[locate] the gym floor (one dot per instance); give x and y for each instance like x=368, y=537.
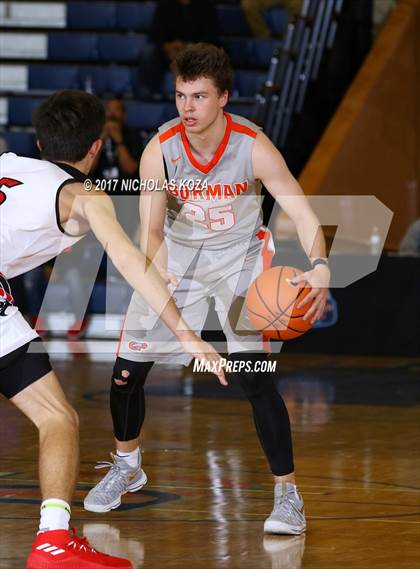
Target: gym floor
x=356, y=434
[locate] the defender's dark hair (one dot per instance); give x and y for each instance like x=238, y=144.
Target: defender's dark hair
x=204, y=60
x=67, y=124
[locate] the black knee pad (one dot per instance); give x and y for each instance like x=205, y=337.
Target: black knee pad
x=252, y=382
x=127, y=397
x=127, y=373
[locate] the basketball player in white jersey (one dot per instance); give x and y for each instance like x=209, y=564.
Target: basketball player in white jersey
x=43, y=210
x=208, y=241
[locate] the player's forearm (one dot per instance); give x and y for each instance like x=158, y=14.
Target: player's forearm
x=144, y=277
x=153, y=244
x=311, y=236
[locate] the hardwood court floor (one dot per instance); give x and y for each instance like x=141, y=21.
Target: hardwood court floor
x=356, y=434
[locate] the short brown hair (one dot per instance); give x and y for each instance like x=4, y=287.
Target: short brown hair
x=204, y=60
x=67, y=124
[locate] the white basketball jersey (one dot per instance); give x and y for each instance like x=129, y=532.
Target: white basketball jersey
x=211, y=205
x=30, y=230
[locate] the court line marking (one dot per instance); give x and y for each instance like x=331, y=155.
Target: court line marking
x=87, y=484
x=208, y=521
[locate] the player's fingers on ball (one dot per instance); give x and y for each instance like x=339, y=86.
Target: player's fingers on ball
x=312, y=310
x=297, y=279
x=303, y=302
x=320, y=311
x=316, y=317
x=308, y=298
x=308, y=314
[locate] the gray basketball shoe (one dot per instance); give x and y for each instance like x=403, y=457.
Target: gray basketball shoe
x=288, y=516
x=120, y=479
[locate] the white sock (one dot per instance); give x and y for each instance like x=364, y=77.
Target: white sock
x=55, y=514
x=132, y=458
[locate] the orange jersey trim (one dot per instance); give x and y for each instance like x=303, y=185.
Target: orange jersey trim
x=243, y=129
x=267, y=257
x=169, y=133
x=205, y=168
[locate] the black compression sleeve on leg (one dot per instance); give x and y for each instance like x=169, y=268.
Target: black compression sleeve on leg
x=127, y=397
x=270, y=414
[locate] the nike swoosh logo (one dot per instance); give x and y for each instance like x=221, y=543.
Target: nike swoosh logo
x=174, y=160
x=134, y=474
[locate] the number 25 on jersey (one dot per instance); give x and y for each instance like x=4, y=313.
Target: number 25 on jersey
x=217, y=218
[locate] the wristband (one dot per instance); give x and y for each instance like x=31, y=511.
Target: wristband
x=319, y=261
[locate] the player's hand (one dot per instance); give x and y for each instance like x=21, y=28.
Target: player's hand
x=203, y=351
x=169, y=278
x=319, y=280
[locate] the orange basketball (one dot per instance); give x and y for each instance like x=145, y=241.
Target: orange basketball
x=272, y=304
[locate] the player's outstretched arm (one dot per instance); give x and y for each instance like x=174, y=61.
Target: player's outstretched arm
x=152, y=211
x=269, y=167
x=98, y=211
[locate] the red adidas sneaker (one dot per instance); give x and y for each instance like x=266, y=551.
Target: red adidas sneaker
x=60, y=549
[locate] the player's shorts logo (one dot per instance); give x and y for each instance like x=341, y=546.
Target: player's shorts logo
x=136, y=346
x=6, y=298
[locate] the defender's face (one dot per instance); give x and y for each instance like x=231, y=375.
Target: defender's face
x=199, y=103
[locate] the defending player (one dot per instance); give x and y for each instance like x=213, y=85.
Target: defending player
x=44, y=209
x=209, y=238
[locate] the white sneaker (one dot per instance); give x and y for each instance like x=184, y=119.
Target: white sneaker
x=288, y=515
x=120, y=479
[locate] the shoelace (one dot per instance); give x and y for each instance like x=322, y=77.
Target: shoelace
x=285, y=504
x=115, y=476
x=80, y=543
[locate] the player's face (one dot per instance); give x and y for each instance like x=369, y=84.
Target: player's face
x=199, y=103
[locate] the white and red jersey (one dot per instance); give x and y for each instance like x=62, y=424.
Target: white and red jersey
x=217, y=204
x=30, y=233
x=30, y=230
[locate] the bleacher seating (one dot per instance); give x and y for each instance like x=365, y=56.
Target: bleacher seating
x=21, y=109
x=138, y=16
x=276, y=20
x=72, y=47
x=148, y=116
x=113, y=48
x=106, y=80
x=247, y=83
x=53, y=77
x=21, y=143
x=95, y=45
x=232, y=21
x=250, y=52
x=91, y=15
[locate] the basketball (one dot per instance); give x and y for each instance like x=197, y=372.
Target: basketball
x=272, y=302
